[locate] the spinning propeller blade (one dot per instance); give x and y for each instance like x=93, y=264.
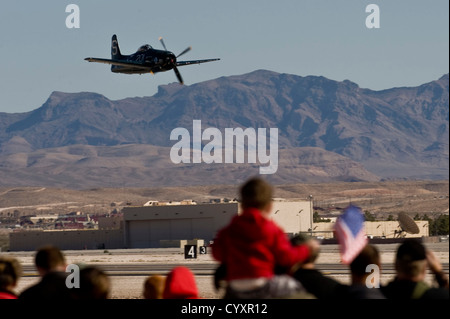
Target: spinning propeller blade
x=162, y=42
x=174, y=62
x=177, y=73
x=185, y=51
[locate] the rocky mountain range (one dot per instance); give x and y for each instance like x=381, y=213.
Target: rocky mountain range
x=327, y=130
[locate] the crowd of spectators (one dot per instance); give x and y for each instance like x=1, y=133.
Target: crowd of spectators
x=257, y=261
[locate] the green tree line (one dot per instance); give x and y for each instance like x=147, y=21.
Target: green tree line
x=438, y=226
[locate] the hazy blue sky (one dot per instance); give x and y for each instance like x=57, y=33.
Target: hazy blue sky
x=39, y=54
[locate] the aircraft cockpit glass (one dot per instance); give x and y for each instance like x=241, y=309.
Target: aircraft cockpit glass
x=145, y=48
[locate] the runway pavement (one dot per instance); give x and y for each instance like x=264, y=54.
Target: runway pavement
x=200, y=267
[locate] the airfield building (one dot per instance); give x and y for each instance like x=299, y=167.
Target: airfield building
x=158, y=225
x=161, y=225
x=150, y=226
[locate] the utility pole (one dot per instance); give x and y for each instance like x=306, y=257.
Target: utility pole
x=300, y=221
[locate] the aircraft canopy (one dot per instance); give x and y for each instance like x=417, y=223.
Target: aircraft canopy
x=144, y=47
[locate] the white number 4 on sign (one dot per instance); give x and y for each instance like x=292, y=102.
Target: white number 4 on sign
x=190, y=251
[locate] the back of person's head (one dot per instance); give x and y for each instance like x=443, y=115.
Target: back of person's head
x=369, y=255
x=94, y=284
x=256, y=193
x=10, y=272
x=180, y=284
x=154, y=287
x=411, y=258
x=49, y=258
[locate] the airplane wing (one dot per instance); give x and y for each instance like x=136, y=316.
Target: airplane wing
x=120, y=63
x=181, y=63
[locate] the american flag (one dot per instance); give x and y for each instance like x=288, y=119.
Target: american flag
x=350, y=233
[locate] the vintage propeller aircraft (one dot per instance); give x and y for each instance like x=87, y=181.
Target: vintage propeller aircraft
x=146, y=60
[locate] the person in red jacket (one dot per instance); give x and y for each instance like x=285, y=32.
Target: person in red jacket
x=180, y=284
x=252, y=245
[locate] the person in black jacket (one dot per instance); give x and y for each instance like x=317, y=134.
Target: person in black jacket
x=324, y=287
x=411, y=264
x=51, y=266
x=95, y=284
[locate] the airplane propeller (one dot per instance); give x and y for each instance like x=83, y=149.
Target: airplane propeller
x=185, y=51
x=162, y=42
x=173, y=61
x=177, y=73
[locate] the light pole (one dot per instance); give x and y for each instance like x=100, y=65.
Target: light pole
x=427, y=229
x=299, y=221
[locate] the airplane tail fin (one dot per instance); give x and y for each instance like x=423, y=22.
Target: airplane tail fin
x=115, y=51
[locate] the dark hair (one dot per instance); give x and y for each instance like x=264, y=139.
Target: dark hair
x=94, y=284
x=411, y=250
x=411, y=258
x=49, y=258
x=256, y=193
x=154, y=287
x=368, y=255
x=10, y=271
